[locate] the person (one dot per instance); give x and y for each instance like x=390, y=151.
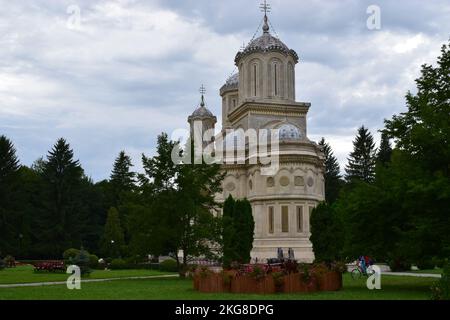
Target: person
x=368, y=260
x=362, y=264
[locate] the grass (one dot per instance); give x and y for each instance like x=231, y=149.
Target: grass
x=25, y=274
x=393, y=288
x=429, y=271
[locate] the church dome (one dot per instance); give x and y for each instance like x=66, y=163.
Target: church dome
x=231, y=84
x=233, y=80
x=201, y=112
x=266, y=43
x=289, y=132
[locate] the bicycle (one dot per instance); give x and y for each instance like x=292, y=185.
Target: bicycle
x=358, y=272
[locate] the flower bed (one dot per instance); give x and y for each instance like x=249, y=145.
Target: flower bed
x=50, y=266
x=262, y=280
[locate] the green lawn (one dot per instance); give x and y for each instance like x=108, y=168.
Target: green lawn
x=393, y=287
x=429, y=271
x=25, y=274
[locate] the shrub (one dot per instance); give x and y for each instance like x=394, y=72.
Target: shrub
x=426, y=264
x=438, y=262
x=69, y=255
x=118, y=264
x=257, y=273
x=441, y=289
x=398, y=265
x=93, y=261
x=169, y=265
x=2, y=264
x=278, y=278
x=82, y=261
x=10, y=262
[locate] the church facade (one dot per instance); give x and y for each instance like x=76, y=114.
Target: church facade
x=261, y=96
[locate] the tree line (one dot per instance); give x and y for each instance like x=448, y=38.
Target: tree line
x=166, y=210
x=393, y=202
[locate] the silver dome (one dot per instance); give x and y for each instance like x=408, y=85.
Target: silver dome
x=233, y=80
x=202, y=112
x=266, y=43
x=289, y=132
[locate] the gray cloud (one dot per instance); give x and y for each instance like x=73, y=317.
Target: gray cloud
x=134, y=68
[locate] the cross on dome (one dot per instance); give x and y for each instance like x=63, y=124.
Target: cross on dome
x=265, y=7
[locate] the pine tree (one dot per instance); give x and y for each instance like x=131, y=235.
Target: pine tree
x=333, y=180
x=9, y=164
x=245, y=230
x=228, y=232
x=113, y=236
x=9, y=168
x=361, y=163
x=65, y=220
x=385, y=150
x=122, y=178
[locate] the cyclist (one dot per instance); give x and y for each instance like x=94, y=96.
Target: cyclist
x=362, y=264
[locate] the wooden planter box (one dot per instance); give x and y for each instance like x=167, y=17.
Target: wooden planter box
x=330, y=281
x=247, y=284
x=212, y=283
x=294, y=284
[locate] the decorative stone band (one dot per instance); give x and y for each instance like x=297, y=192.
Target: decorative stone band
x=292, y=109
x=284, y=159
x=273, y=48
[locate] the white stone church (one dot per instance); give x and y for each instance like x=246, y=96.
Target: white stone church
x=262, y=96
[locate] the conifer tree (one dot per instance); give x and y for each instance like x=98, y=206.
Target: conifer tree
x=385, y=151
x=66, y=215
x=9, y=167
x=113, y=236
x=228, y=232
x=122, y=178
x=333, y=180
x=361, y=163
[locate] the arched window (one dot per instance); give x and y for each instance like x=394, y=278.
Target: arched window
x=255, y=79
x=284, y=219
x=271, y=220
x=275, y=75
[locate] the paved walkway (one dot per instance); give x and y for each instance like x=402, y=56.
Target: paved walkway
x=39, y=284
x=410, y=274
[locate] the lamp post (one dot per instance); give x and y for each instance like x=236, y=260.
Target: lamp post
x=112, y=248
x=20, y=245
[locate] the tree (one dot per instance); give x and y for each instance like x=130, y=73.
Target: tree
x=9, y=164
x=122, y=178
x=113, y=237
x=197, y=187
x=326, y=233
x=66, y=216
x=385, y=151
x=420, y=164
x=229, y=233
x=238, y=231
x=244, y=229
x=333, y=181
x=361, y=163
x=177, y=201
x=9, y=169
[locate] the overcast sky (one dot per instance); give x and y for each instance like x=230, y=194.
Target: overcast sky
x=131, y=69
